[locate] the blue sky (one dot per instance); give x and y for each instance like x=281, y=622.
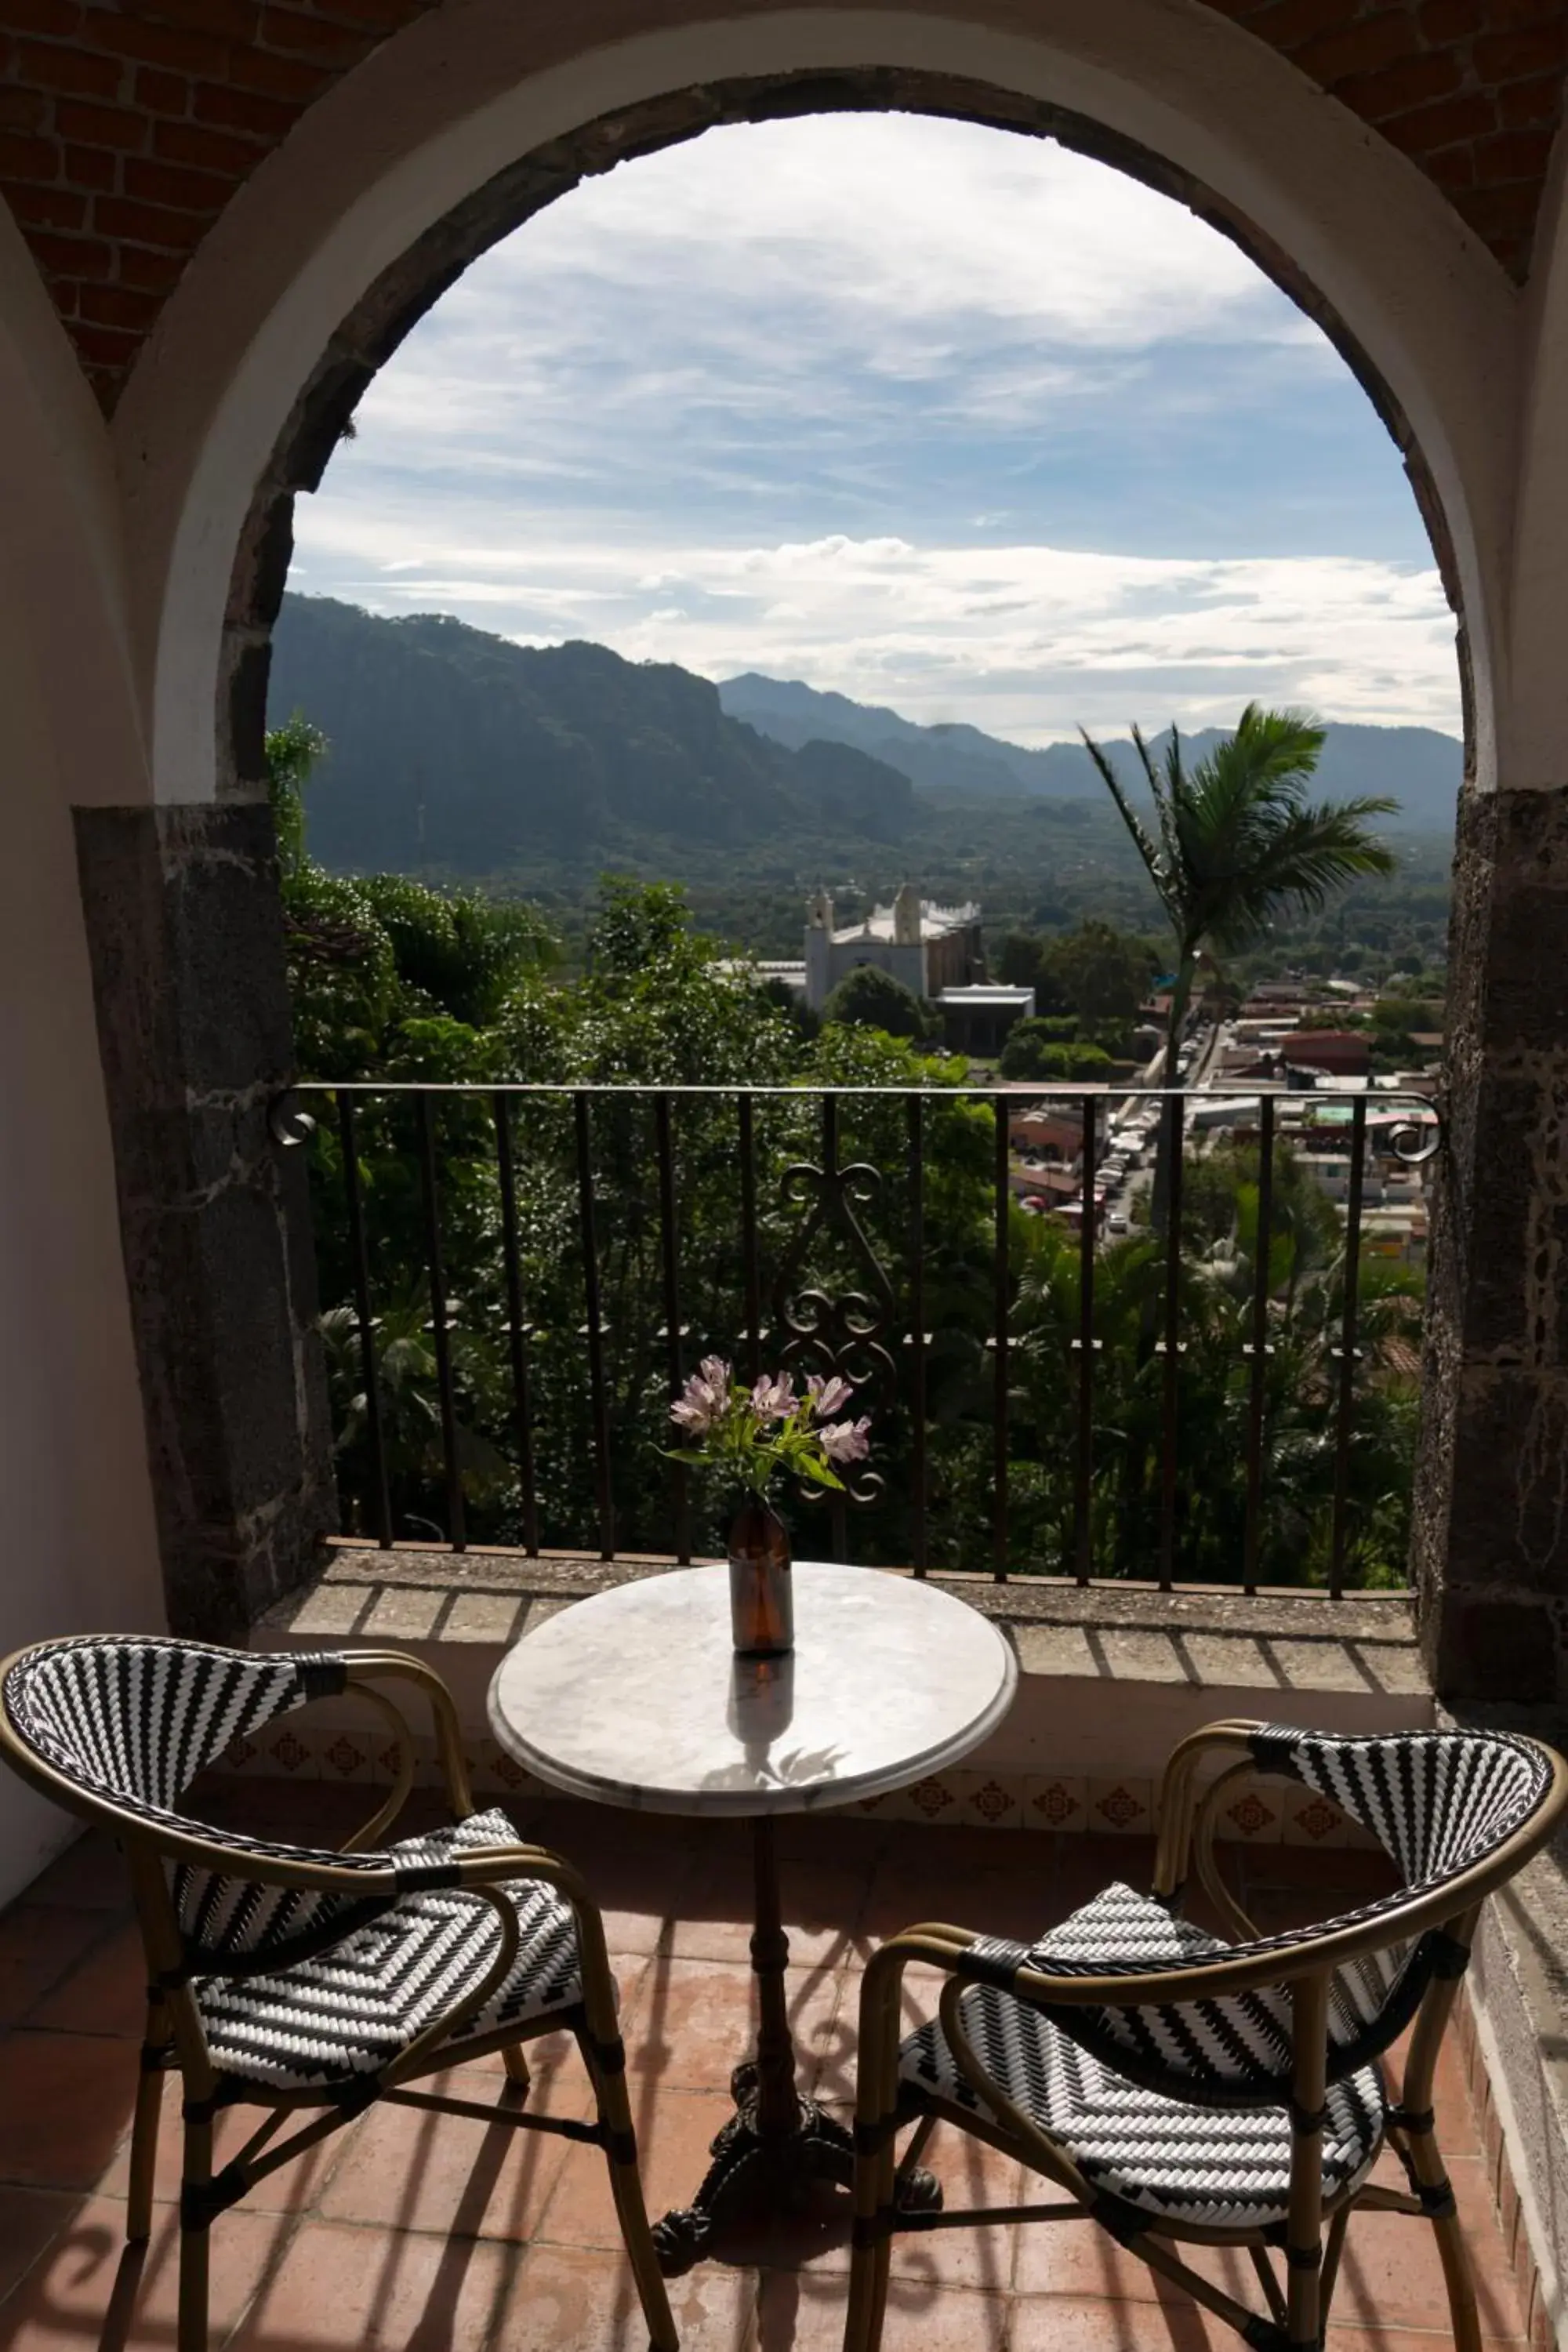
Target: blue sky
x=940, y=416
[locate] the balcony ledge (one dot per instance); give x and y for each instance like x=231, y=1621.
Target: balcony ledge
x=1065, y=1759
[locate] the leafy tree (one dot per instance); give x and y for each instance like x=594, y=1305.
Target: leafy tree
x=1102, y=973
x=871, y=999
x=393, y=980
x=1236, y=842
x=464, y=951
x=1033, y=1050
x=291, y=751
x=1022, y=961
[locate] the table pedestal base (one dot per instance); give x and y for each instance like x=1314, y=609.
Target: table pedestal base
x=757, y=2171
x=776, y=2145
x=754, y=2171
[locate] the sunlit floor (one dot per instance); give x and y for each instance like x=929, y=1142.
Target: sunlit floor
x=430, y=2232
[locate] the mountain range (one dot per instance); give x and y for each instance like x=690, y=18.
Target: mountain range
x=1420, y=767
x=453, y=748
x=458, y=752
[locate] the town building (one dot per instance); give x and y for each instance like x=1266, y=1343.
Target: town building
x=1340, y=1053
x=975, y=1018
x=929, y=948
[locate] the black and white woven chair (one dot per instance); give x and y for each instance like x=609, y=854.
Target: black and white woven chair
x=290, y=1977
x=1187, y=2090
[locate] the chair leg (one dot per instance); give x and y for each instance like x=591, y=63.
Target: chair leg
x=875, y=2197
x=1431, y=2175
x=144, y=2135
x=871, y=2259
x=1456, y=2277
x=607, y=2073
x=516, y=2065
x=195, y=2230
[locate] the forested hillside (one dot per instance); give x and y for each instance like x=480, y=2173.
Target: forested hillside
x=460, y=757
x=459, y=751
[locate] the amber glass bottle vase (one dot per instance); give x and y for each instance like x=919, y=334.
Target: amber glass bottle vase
x=762, y=1603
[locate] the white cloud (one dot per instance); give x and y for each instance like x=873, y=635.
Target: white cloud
x=772, y=399
x=1029, y=641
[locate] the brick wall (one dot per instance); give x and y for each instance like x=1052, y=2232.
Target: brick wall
x=126, y=125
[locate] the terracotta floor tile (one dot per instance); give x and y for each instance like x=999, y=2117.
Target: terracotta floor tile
x=1051, y=2323
x=410, y=2229
x=38, y=1943
x=68, y=2100
x=803, y=2310
x=843, y=1836
x=1080, y=2260
x=1392, y=2340
x=411, y=2169
x=1391, y=2275
x=90, y=1875
x=378, y=2292
x=576, y=2299
x=674, y=2130
x=106, y=1993
x=971, y=2174
x=640, y=1892
x=88, y=2292
x=633, y=1933
x=291, y=2188
x=821, y=1908
x=693, y=2021
x=29, y=2218
x=903, y=1894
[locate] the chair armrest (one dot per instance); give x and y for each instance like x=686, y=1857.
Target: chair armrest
x=365, y=1669
x=975, y=1958
x=1177, y=1806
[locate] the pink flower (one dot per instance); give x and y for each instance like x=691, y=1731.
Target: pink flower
x=705, y=1399
x=772, y=1397
x=828, y=1395
x=847, y=1441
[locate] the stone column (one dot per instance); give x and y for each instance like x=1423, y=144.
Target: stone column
x=184, y=926
x=1490, y=1550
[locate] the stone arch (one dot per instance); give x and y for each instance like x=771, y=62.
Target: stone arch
x=403, y=293
x=328, y=256
x=453, y=132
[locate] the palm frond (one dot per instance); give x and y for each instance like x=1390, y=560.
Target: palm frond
x=1159, y=874
x=1165, y=791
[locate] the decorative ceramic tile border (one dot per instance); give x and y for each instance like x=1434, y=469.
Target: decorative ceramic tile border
x=932, y=1800
x=1055, y=1801
x=1122, y=1808
x=989, y=1800
x=1268, y=1813
x=1251, y=1815
x=1312, y=1819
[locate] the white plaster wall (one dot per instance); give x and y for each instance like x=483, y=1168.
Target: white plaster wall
x=439, y=109
x=76, y=1512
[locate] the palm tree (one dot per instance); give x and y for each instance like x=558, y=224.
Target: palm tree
x=1237, y=842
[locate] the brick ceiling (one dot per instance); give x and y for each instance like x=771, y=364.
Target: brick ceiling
x=126, y=125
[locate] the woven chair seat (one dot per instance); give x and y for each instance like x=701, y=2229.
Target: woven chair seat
x=1225, y=2167
x=347, y=2011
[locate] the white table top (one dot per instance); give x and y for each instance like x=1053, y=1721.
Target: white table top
x=636, y=1696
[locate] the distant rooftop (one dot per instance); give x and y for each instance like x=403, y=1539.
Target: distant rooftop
x=935, y=922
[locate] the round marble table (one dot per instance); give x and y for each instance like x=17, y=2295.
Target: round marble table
x=636, y=1697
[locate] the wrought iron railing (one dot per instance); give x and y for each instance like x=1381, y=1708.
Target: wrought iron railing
x=703, y=1208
